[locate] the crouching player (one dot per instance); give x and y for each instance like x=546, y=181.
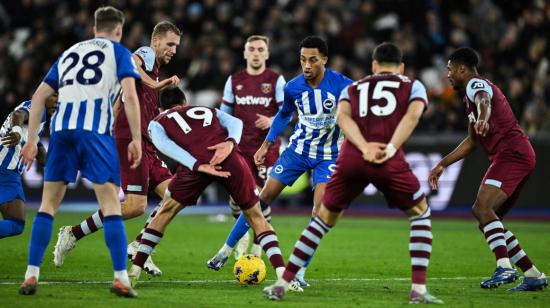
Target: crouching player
x=203, y=141
x=14, y=136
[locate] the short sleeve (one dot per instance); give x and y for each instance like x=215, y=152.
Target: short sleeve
x=147, y=55
x=418, y=92
x=52, y=77
x=280, y=89
x=126, y=66
x=228, y=95
x=26, y=105
x=344, y=95
x=476, y=85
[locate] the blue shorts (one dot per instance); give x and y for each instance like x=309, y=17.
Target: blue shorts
x=11, y=187
x=291, y=165
x=93, y=154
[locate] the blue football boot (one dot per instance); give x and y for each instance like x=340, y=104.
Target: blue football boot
x=501, y=276
x=531, y=284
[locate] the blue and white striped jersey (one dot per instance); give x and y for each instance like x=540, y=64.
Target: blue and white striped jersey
x=10, y=158
x=316, y=134
x=87, y=78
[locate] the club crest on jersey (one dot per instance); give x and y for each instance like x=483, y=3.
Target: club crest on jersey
x=278, y=169
x=328, y=103
x=266, y=88
x=477, y=85
x=239, y=87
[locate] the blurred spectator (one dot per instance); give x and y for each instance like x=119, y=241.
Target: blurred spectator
x=511, y=36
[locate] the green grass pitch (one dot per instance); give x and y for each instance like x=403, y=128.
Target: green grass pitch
x=361, y=262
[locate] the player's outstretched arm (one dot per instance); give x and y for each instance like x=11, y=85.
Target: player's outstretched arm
x=148, y=81
x=18, y=118
x=371, y=150
x=131, y=107
x=30, y=149
x=462, y=150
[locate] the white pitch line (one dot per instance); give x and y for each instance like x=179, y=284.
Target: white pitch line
x=227, y=281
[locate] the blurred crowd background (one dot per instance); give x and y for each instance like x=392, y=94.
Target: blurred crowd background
x=511, y=36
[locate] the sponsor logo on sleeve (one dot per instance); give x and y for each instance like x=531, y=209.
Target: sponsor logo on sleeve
x=478, y=85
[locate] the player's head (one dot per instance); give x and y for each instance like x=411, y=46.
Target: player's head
x=165, y=40
x=462, y=66
x=172, y=96
x=51, y=104
x=108, y=22
x=387, y=57
x=313, y=56
x=256, y=52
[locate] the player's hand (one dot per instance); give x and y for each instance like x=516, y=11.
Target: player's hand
x=28, y=153
x=213, y=170
x=223, y=149
x=12, y=139
x=259, y=156
x=373, y=152
x=436, y=172
x=481, y=128
x=263, y=122
x=173, y=81
x=134, y=153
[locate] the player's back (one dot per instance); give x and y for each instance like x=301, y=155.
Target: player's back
x=194, y=129
x=379, y=102
x=86, y=77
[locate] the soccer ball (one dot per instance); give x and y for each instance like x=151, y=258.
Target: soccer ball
x=249, y=269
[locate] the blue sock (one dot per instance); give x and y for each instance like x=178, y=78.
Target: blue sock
x=11, y=227
x=40, y=237
x=115, y=238
x=240, y=227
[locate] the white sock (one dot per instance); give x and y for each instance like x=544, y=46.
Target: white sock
x=301, y=272
x=32, y=271
x=504, y=262
x=419, y=288
x=226, y=250
x=123, y=277
x=533, y=272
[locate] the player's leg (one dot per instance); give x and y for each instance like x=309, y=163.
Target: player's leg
x=41, y=233
x=12, y=204
x=489, y=199
x=303, y=250
x=185, y=188
x=420, y=250
x=13, y=213
x=115, y=236
x=61, y=168
x=534, y=280
x=241, y=226
x=285, y=171
x=322, y=172
x=342, y=188
x=152, y=235
x=402, y=190
x=135, y=187
x=150, y=267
